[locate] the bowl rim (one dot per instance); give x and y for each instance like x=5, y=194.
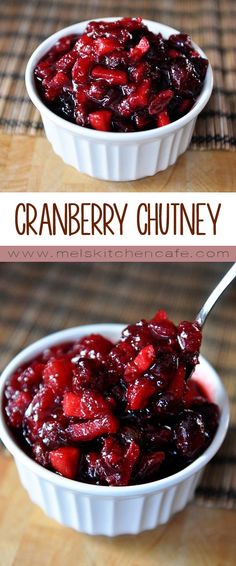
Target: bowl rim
x=118, y=137
x=111, y=330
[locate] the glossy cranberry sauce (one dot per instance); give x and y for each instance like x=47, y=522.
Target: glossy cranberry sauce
x=121, y=77
x=114, y=414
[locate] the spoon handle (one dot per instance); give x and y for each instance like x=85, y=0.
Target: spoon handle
x=214, y=296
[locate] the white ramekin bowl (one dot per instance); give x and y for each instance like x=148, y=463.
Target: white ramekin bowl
x=99, y=510
x=114, y=156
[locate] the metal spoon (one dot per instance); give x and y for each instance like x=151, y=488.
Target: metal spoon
x=210, y=302
x=215, y=295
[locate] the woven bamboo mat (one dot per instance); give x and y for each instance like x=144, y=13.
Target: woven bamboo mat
x=212, y=24
x=39, y=299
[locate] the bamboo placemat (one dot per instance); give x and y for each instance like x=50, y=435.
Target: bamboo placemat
x=37, y=299
x=212, y=24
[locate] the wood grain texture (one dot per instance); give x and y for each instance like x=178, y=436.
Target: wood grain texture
x=195, y=536
x=29, y=164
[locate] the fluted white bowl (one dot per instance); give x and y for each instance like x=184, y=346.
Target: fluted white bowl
x=115, y=156
x=103, y=510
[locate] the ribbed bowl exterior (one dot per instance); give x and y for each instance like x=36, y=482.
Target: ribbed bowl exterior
x=107, y=515
x=120, y=161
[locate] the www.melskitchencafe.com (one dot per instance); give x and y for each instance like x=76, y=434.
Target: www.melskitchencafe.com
x=129, y=254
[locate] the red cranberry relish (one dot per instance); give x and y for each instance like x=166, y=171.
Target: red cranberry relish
x=114, y=414
x=120, y=77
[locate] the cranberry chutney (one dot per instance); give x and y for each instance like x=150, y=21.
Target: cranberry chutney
x=121, y=77
x=118, y=414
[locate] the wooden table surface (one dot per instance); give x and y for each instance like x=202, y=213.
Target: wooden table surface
x=29, y=164
x=196, y=536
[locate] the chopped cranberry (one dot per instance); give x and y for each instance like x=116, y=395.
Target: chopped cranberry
x=40, y=453
x=192, y=394
x=170, y=402
x=16, y=407
x=53, y=431
x=200, y=65
x=104, y=45
x=210, y=414
x=45, y=69
x=58, y=374
x=149, y=466
x=190, y=337
x=137, y=99
x=65, y=461
x=173, y=53
x=66, y=62
x=166, y=405
x=160, y=101
x=140, y=364
x=148, y=75
x=115, y=464
x=163, y=119
x=158, y=437
x=190, y=434
x=42, y=402
x=86, y=431
x=141, y=118
x=81, y=69
x=164, y=368
x=63, y=45
x=55, y=86
x=185, y=79
x=180, y=41
x=130, y=433
x=119, y=357
x=86, y=404
x=138, y=335
x=27, y=379
x=57, y=351
x=93, y=347
x=42, y=406
x=139, y=392
x=163, y=329
x=111, y=76
x=31, y=376
x=97, y=91
x=159, y=316
x=185, y=105
x=90, y=373
x=83, y=374
x=116, y=59
x=130, y=458
x=112, y=452
x=177, y=386
x=100, y=120
x=84, y=46
x=137, y=72
x=139, y=50
x=114, y=414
